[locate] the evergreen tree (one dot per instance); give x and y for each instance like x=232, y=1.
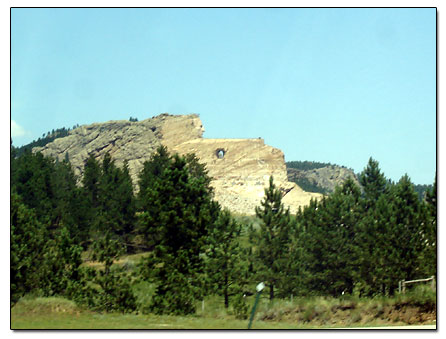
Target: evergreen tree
x=429, y=257
x=127, y=206
x=150, y=174
x=90, y=181
x=408, y=228
x=272, y=241
x=225, y=266
x=27, y=244
x=31, y=178
x=372, y=235
x=296, y=271
x=69, y=204
x=198, y=170
x=115, y=292
x=49, y=187
x=61, y=268
x=110, y=191
x=176, y=223
x=329, y=241
x=375, y=251
x=373, y=182
x=109, y=218
x=391, y=240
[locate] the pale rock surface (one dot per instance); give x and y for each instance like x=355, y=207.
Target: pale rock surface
x=239, y=175
x=327, y=178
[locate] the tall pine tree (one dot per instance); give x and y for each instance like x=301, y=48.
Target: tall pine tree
x=329, y=241
x=179, y=214
x=226, y=266
x=272, y=239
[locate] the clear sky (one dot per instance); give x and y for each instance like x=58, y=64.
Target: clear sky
x=327, y=85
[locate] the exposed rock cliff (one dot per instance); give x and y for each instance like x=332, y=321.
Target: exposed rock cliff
x=325, y=178
x=124, y=140
x=240, y=168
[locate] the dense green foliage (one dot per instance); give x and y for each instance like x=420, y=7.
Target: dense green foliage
x=115, y=293
x=27, y=240
x=328, y=248
x=272, y=241
x=226, y=266
x=178, y=217
x=355, y=241
x=422, y=190
x=366, y=242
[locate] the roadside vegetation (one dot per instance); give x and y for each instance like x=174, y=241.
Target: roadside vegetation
x=101, y=251
x=414, y=308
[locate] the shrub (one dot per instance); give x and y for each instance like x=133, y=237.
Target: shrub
x=240, y=307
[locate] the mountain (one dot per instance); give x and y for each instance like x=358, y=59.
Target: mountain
x=322, y=178
x=318, y=177
x=239, y=168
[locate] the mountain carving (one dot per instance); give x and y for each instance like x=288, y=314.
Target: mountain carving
x=240, y=168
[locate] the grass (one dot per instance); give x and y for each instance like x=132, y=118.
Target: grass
x=59, y=313
x=418, y=306
x=301, y=313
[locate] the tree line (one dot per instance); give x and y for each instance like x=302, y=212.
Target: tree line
x=45, y=139
x=355, y=240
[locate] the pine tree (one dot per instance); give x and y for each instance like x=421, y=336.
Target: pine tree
x=109, y=189
x=272, y=240
x=115, y=292
x=372, y=235
x=329, y=241
x=429, y=257
x=109, y=219
x=69, y=205
x=225, y=265
x=375, y=251
x=408, y=228
x=179, y=213
x=31, y=177
x=373, y=182
x=90, y=181
x=151, y=172
x=391, y=240
x=127, y=206
x=27, y=244
x=90, y=193
x=61, y=268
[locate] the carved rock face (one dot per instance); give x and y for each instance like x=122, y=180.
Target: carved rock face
x=240, y=168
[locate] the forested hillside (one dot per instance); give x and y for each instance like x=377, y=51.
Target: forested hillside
x=323, y=178
x=353, y=241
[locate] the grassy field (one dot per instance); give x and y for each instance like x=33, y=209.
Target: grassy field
x=59, y=313
x=418, y=307
x=301, y=313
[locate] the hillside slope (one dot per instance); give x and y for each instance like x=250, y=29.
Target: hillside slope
x=322, y=179
x=240, y=168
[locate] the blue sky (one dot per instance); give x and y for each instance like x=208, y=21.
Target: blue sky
x=328, y=85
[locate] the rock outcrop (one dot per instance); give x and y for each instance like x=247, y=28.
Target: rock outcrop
x=240, y=168
x=325, y=178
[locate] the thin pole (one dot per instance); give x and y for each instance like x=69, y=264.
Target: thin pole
x=254, y=309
